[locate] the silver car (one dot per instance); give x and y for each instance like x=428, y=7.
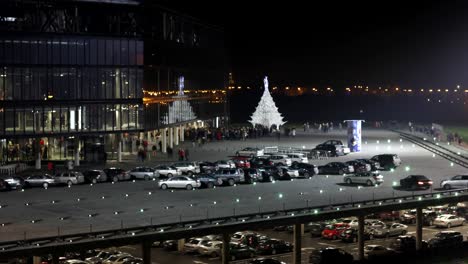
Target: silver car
x=14, y=182
x=394, y=229
x=210, y=248
x=145, y=173
x=367, y=178
x=166, y=171
x=183, y=182
x=459, y=181
x=70, y=177
x=44, y=181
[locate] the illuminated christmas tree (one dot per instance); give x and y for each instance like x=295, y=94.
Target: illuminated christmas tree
x=266, y=113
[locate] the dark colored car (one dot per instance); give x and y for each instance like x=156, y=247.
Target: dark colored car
x=331, y=150
x=375, y=165
x=306, y=170
x=330, y=255
x=266, y=261
x=95, y=176
x=4, y=186
x=257, y=162
x=416, y=182
x=335, y=168
x=446, y=239
x=351, y=235
x=208, y=181
x=387, y=161
x=252, y=175
x=274, y=246
x=207, y=167
x=270, y=173
x=116, y=174
x=170, y=245
x=406, y=244
x=409, y=217
x=240, y=251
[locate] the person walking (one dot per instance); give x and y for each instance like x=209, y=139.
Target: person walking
x=186, y=154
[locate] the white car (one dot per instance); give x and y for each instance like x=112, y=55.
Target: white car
x=182, y=182
x=210, y=248
x=193, y=244
x=117, y=258
x=251, y=152
x=456, y=182
x=367, y=178
x=280, y=160
x=187, y=167
x=298, y=158
x=448, y=220
x=145, y=173
x=167, y=171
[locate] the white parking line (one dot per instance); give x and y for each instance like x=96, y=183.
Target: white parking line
x=199, y=262
x=431, y=229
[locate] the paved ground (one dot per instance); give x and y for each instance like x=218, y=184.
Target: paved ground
x=101, y=201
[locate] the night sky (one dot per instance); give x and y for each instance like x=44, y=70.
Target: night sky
x=413, y=44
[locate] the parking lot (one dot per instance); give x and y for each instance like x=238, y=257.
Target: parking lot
x=61, y=210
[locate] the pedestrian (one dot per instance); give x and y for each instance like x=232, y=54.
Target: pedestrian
x=293, y=132
x=160, y=145
x=154, y=150
x=186, y=154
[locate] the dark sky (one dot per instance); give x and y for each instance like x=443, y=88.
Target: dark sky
x=413, y=44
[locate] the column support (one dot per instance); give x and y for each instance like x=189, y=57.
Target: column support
x=146, y=251
x=361, y=237
x=419, y=228
x=225, y=256
x=298, y=231
x=171, y=138
x=164, y=140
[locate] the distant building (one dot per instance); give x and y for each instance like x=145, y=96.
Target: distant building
x=74, y=75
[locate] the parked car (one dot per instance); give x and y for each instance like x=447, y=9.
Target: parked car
x=387, y=161
x=170, y=245
x=388, y=230
x=406, y=244
x=416, y=182
x=375, y=165
x=456, y=182
x=187, y=167
x=4, y=185
x=288, y=173
x=210, y=248
x=266, y=261
x=252, y=175
x=116, y=174
x=446, y=239
x=448, y=220
x=250, y=152
x=389, y=216
x=240, y=251
x=95, y=176
x=259, y=162
x=230, y=176
x=274, y=246
x=43, y=180
x=335, y=168
x=182, y=182
x=358, y=166
x=330, y=255
x=70, y=177
x=306, y=170
x=241, y=161
x=351, y=235
x=144, y=173
x=334, y=231
x=208, y=180
x=280, y=160
x=298, y=158
x=367, y=178
x=14, y=182
x=333, y=147
x=225, y=164
x=207, y=167
x=193, y=244
x=377, y=250
x=165, y=171
x=409, y=217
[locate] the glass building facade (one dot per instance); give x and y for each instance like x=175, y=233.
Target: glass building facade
x=62, y=85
